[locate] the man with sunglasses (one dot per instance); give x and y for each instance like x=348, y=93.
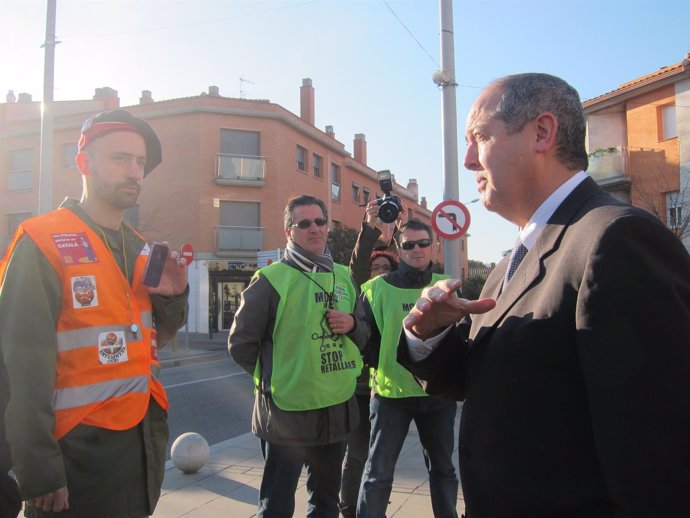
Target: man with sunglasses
x=298, y=332
x=398, y=399
x=87, y=414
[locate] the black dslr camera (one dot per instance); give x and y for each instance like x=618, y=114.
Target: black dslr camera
x=389, y=206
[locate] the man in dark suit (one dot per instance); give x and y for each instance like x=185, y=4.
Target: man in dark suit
x=575, y=372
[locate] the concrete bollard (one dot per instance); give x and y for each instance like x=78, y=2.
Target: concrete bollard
x=189, y=452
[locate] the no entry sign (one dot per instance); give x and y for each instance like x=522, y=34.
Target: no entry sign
x=187, y=253
x=450, y=219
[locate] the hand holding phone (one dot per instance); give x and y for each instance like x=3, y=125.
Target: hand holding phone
x=155, y=264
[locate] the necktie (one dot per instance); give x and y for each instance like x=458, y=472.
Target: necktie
x=515, y=260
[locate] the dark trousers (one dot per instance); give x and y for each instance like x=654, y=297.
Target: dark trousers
x=282, y=468
x=390, y=422
x=355, y=458
x=10, y=501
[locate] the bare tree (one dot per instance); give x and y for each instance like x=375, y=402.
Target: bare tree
x=670, y=206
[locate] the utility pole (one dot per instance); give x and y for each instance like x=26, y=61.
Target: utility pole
x=45, y=175
x=445, y=79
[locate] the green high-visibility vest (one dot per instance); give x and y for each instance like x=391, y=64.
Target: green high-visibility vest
x=390, y=305
x=312, y=368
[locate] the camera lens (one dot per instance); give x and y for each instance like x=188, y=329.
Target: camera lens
x=388, y=211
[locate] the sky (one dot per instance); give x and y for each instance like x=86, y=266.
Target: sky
x=371, y=63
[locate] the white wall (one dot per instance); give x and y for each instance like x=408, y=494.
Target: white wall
x=198, y=297
x=606, y=130
x=683, y=124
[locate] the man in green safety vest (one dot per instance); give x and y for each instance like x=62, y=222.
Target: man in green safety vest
x=298, y=332
x=398, y=399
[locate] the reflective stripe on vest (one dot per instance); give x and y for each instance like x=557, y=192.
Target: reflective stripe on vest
x=87, y=394
x=84, y=337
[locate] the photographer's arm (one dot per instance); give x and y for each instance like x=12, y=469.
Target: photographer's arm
x=366, y=239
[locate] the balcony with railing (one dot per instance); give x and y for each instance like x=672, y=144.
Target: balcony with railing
x=609, y=168
x=240, y=170
x=239, y=238
x=608, y=163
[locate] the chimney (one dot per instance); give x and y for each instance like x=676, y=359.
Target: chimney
x=145, y=97
x=213, y=91
x=423, y=202
x=108, y=96
x=23, y=97
x=10, y=97
x=413, y=188
x=330, y=132
x=361, y=148
x=306, y=101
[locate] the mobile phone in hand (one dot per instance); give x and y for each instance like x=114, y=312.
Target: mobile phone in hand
x=155, y=264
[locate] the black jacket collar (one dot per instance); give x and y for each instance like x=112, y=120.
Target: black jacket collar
x=407, y=277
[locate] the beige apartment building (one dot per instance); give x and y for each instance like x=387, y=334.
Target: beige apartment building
x=229, y=167
x=638, y=138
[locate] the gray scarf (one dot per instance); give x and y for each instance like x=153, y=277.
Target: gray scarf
x=306, y=261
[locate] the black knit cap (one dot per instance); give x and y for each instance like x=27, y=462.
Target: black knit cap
x=121, y=120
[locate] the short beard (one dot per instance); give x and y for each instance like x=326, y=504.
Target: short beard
x=111, y=193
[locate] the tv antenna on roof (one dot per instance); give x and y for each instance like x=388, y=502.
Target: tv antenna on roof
x=242, y=81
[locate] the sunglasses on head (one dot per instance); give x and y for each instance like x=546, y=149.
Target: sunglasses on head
x=409, y=245
x=306, y=223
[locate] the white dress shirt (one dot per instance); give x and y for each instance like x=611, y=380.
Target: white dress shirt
x=420, y=349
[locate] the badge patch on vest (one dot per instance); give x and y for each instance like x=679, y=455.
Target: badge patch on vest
x=84, y=292
x=112, y=347
x=340, y=293
x=75, y=248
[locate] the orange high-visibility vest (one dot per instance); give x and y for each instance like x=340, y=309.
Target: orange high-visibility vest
x=105, y=372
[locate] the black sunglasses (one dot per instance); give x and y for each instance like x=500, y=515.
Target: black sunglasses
x=306, y=223
x=409, y=245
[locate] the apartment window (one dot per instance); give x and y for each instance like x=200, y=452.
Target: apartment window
x=335, y=182
x=668, y=122
x=675, y=209
x=20, y=175
x=301, y=155
x=237, y=142
x=675, y=216
x=356, y=192
x=239, y=156
x=366, y=195
x=316, y=162
x=69, y=155
x=336, y=225
x=239, y=226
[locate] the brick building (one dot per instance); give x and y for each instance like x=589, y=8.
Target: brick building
x=229, y=167
x=639, y=144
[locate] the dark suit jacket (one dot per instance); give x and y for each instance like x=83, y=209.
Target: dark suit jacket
x=576, y=386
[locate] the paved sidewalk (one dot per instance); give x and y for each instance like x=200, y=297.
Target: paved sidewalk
x=228, y=486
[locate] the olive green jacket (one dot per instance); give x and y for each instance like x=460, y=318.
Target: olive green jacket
x=29, y=309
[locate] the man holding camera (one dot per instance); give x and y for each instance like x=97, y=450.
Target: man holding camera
x=86, y=419
x=398, y=399
x=298, y=331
